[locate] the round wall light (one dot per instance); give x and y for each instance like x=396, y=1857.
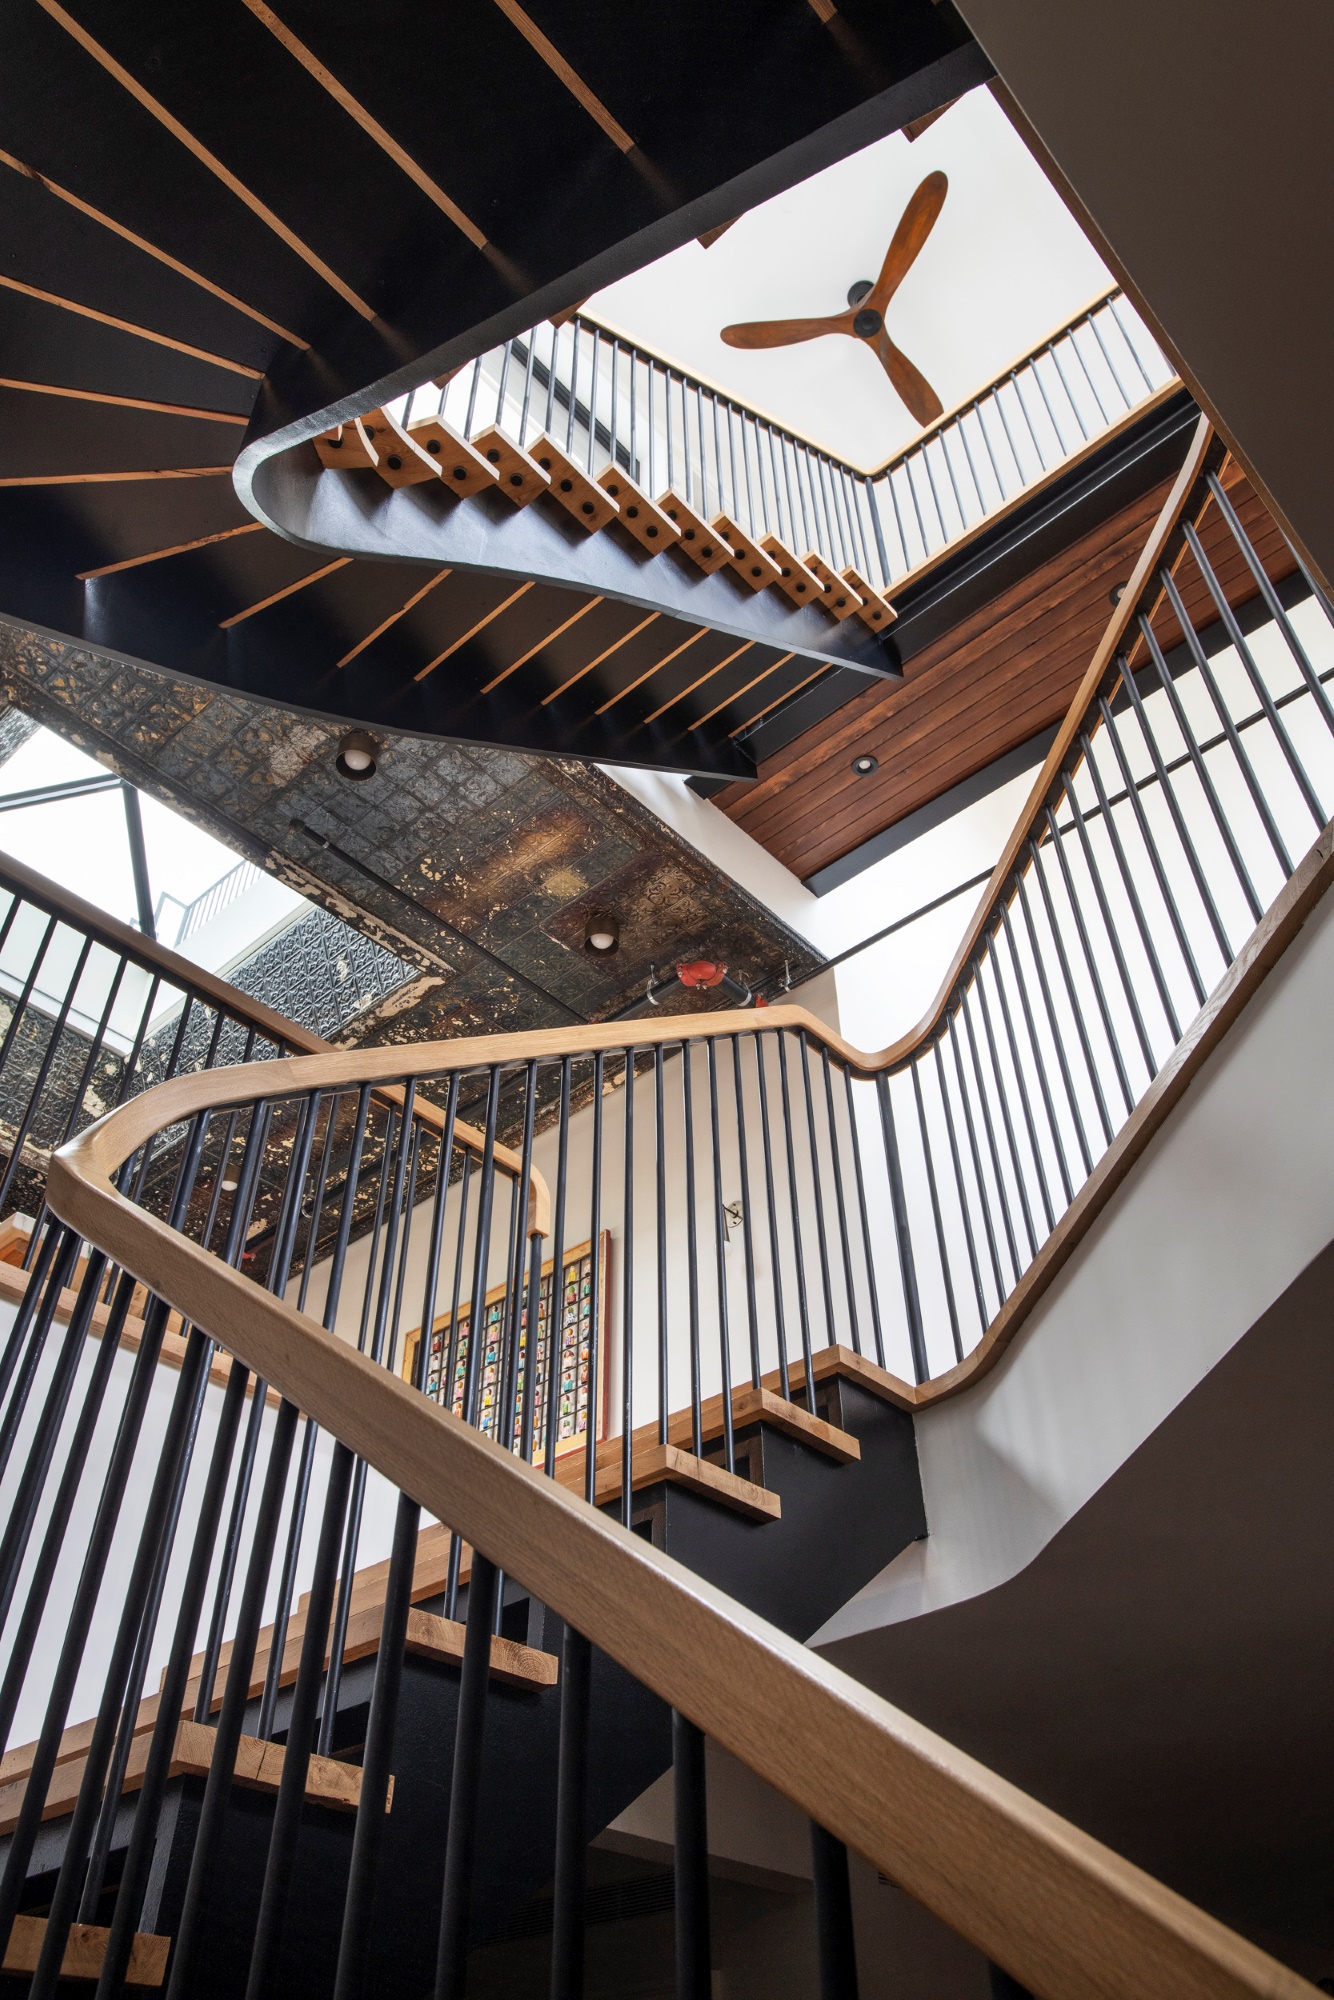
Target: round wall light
x=602, y=934
x=865, y=764
x=358, y=756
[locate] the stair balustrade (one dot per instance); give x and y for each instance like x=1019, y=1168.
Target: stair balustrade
x=647, y=1267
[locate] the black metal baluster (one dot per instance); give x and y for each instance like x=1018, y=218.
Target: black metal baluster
x=692, y=1250
x=868, y=1254
x=840, y=1202
x=1076, y=1011
x=817, y=1189
x=451, y=1971
x=719, y=1243
x=1196, y=756
x=556, y=1317
x=912, y=1305
x=43, y=1071
x=1111, y=928
x=941, y=1249
x=1243, y=651
x=1039, y=1066
x=775, y=1245
x=1244, y=765
x=1173, y=805
x=993, y=1150
x=627, y=1298
x=660, y=1176
x=960, y=1189
x=747, y=1234
x=1003, y=1098
x=835, y=1943
x=1132, y=791
x=976, y=1155
x=1272, y=601
x=594, y=1296
x=571, y=1872
x=691, y=1861
x=1091, y=963
x=1132, y=893
x=794, y=1218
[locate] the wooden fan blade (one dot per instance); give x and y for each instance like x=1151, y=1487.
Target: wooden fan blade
x=908, y=381
x=915, y=225
x=783, y=332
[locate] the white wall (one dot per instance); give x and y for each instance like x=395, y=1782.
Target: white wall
x=1233, y=1199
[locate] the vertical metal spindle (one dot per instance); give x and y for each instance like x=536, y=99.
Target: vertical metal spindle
x=795, y=1206
x=660, y=1177
x=1090, y=961
x=747, y=1232
x=1151, y=847
x=692, y=1250
x=912, y=1305
x=1039, y=1066
x=1025, y=1106
x=691, y=1861
x=1110, y=925
x=835, y=1942
x=594, y=1295
x=451, y=1970
x=993, y=1150
x=976, y=1157
x=771, y=1210
x=571, y=1870
x=817, y=1189
x=556, y=1317
x=627, y=1297
x=1128, y=883
x=960, y=1189
x=719, y=1253
x=1076, y=1010
x=1273, y=602
x=841, y=1204
x=942, y=1250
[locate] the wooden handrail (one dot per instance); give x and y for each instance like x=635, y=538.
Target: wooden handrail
x=1065, y=1915
x=156, y=958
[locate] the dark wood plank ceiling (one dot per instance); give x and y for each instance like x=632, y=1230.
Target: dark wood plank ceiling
x=1000, y=677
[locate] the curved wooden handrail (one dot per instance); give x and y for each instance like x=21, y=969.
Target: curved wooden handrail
x=1064, y=1914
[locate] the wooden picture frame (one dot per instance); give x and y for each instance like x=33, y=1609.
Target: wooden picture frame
x=579, y=1277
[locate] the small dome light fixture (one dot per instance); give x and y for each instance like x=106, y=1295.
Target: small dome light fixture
x=602, y=934
x=358, y=756
x=865, y=764
x=1117, y=592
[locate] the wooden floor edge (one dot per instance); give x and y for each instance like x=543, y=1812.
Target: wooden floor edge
x=1259, y=956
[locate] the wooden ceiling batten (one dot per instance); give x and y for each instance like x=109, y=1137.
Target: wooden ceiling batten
x=606, y=654
x=343, y=97
x=177, y=549
x=649, y=672
x=473, y=630
x=206, y=158
x=569, y=76
x=288, y=590
x=671, y=702
x=126, y=402
x=393, y=618
x=546, y=640
x=115, y=478
x=151, y=250
x=128, y=326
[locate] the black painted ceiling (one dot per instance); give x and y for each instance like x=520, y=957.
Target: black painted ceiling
x=225, y=226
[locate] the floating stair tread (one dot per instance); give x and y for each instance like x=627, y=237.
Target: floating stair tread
x=765, y=1406
x=85, y=1952
x=639, y=516
x=756, y=569
x=259, y=1765
x=799, y=584
x=840, y=599
x=401, y=460
x=657, y=1464
x=581, y=497
x=347, y=449
x=698, y=540
x=462, y=468
x=852, y=1367
x=441, y=1639
x=876, y=611
x=519, y=477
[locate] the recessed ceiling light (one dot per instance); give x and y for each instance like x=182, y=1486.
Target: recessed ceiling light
x=602, y=934
x=865, y=764
x=1117, y=592
x=358, y=756
x=229, y=1187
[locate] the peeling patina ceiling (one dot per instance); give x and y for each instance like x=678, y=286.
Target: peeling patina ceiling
x=478, y=867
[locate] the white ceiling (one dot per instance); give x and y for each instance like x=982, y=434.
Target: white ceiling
x=1005, y=264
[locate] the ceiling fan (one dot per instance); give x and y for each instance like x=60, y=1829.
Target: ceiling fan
x=865, y=318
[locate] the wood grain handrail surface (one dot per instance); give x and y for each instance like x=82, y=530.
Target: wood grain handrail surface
x=1064, y=1914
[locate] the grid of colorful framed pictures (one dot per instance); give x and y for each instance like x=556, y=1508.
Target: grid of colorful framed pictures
x=566, y=1394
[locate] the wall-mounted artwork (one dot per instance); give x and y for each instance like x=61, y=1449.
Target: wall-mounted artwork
x=561, y=1380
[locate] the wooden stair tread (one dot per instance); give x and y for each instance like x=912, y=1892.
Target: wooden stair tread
x=657, y=1464
x=259, y=1766
x=85, y=1952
